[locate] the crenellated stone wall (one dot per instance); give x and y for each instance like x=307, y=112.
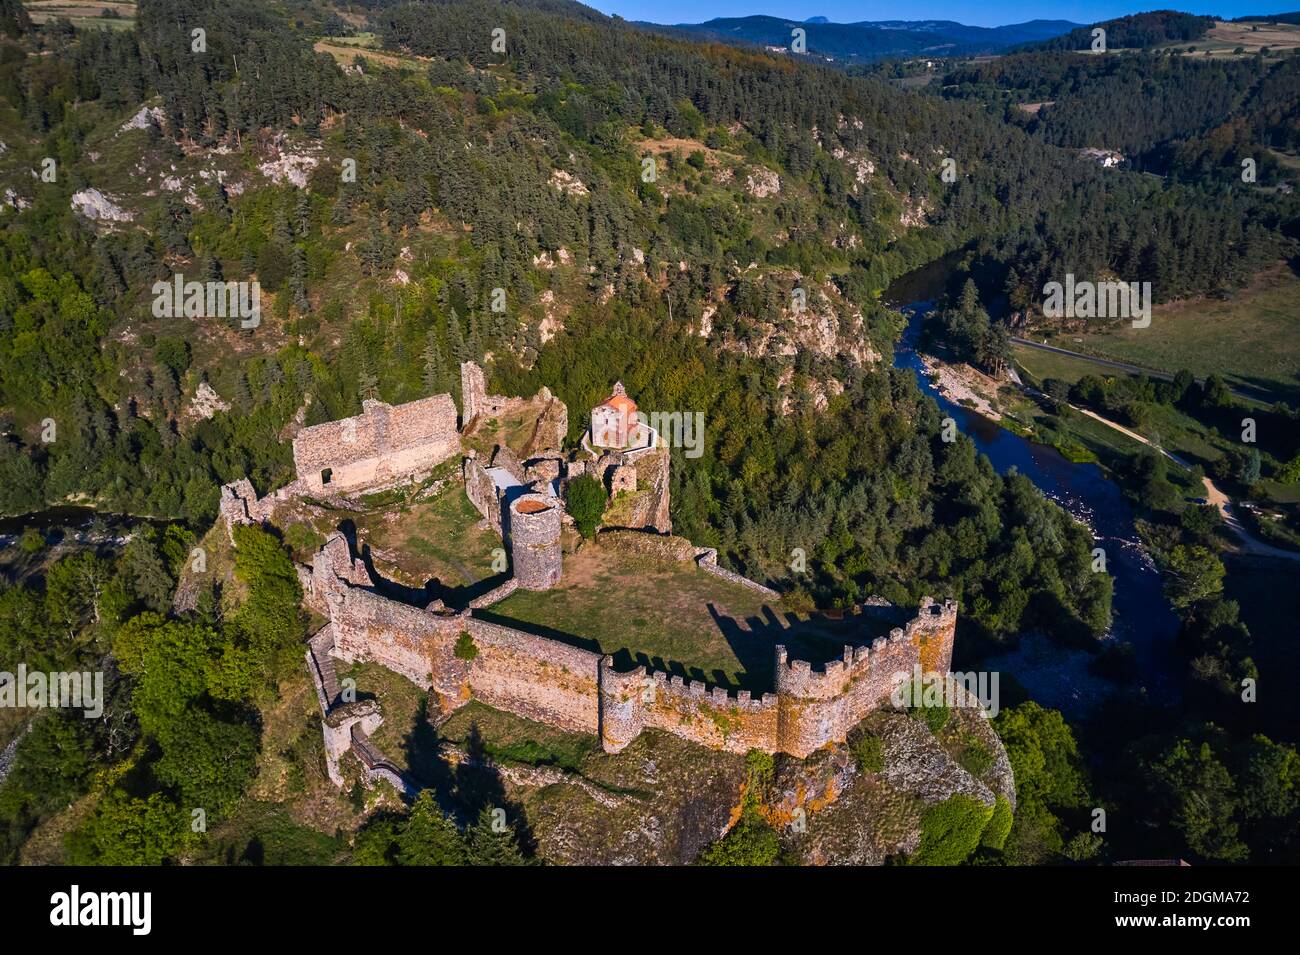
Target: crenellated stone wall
x=461, y=657
x=816, y=707
x=633, y=701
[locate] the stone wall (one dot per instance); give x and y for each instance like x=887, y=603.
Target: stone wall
x=808, y=710
x=533, y=676
x=392, y=634
x=580, y=691
x=382, y=445
x=482, y=493
x=707, y=558
x=631, y=702
x=818, y=707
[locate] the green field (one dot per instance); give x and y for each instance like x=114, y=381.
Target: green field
x=86, y=14
x=1174, y=430
x=1252, y=339
x=1249, y=37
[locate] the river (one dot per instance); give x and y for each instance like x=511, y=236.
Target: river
x=1054, y=675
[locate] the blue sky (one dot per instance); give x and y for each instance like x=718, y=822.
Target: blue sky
x=974, y=12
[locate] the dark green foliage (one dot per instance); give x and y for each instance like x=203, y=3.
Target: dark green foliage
x=465, y=647
x=429, y=837
x=1137, y=31
x=493, y=840
x=207, y=760
x=751, y=841
x=869, y=752
x=124, y=830
x=998, y=827
x=585, y=502
x=1050, y=780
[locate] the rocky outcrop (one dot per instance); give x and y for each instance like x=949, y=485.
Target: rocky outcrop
x=98, y=206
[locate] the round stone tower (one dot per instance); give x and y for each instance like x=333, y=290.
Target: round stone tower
x=535, y=521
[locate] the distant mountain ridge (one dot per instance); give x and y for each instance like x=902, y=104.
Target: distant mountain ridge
x=871, y=39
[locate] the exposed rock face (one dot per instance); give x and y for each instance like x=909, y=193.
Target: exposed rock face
x=291, y=167
x=568, y=183
x=667, y=801
x=146, y=116
x=94, y=204
x=914, y=212
x=207, y=402
x=762, y=182
x=662, y=800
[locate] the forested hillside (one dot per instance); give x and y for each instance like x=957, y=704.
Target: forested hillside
x=1195, y=118
x=1139, y=31
x=523, y=171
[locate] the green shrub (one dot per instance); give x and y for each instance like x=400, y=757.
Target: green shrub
x=999, y=825
x=585, y=502
x=935, y=716
x=465, y=648
x=869, y=752
x=951, y=831
x=750, y=842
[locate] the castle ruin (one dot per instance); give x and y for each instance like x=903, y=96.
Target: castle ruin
x=524, y=673
x=580, y=690
x=382, y=445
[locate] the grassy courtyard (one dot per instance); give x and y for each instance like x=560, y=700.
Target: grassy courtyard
x=674, y=617
x=442, y=538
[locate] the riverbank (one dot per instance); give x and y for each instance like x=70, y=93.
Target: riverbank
x=1057, y=676
x=963, y=385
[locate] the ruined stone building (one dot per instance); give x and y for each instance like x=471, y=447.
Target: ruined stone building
x=524, y=673
x=580, y=690
x=382, y=445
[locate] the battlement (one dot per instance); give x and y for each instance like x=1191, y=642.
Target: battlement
x=462, y=657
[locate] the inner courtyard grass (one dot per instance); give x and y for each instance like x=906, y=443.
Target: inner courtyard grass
x=674, y=616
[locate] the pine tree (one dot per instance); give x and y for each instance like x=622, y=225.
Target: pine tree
x=456, y=338
x=487, y=846
x=429, y=837
x=280, y=228
x=303, y=213
x=435, y=368
x=475, y=344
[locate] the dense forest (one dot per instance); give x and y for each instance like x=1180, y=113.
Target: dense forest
x=1195, y=119
x=1138, y=31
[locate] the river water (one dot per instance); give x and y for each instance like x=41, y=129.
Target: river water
x=1053, y=675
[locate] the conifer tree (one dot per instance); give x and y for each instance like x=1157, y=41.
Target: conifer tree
x=487, y=846
x=429, y=837
x=435, y=368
